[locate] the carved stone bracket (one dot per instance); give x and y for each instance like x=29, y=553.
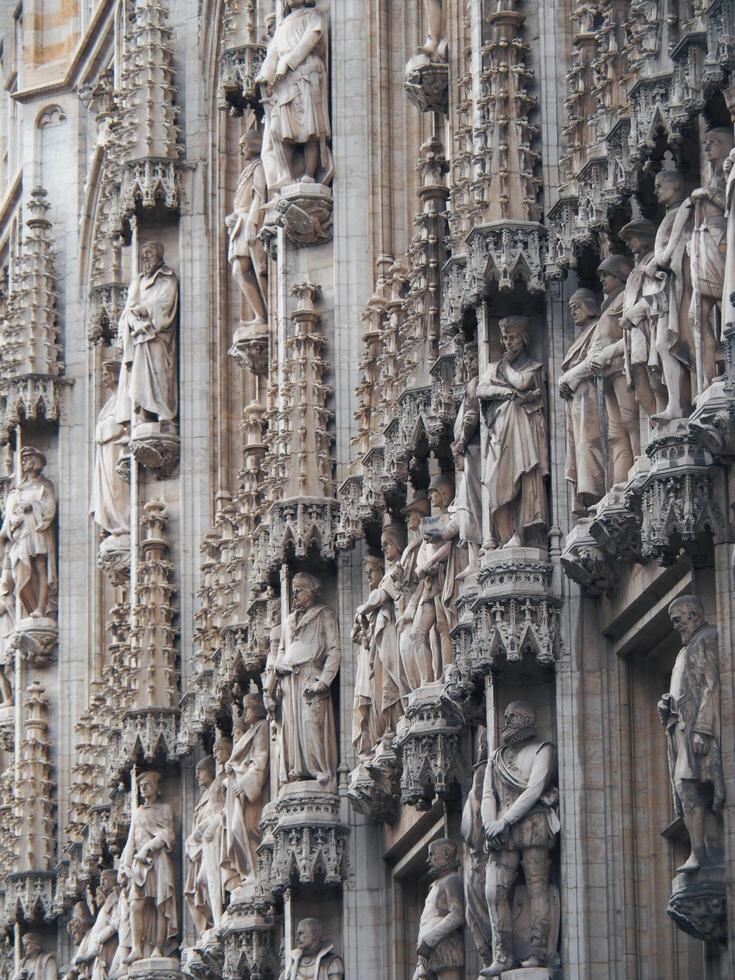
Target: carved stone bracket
x=150, y=181
x=113, y=557
x=616, y=527
x=309, y=837
x=36, y=640
x=150, y=733
x=164, y=968
x=250, y=347
x=299, y=524
x=249, y=938
x=156, y=446
x=304, y=211
x=586, y=563
x=698, y=905
x=30, y=895
x=429, y=741
x=712, y=423
x=30, y=398
x=238, y=69
x=427, y=84
x=504, y=253
x=375, y=784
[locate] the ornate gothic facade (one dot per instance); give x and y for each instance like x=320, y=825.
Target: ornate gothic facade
x=367, y=484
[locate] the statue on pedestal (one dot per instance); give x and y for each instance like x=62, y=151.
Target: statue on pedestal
x=246, y=253
x=147, y=874
x=35, y=964
x=440, y=943
x=585, y=464
x=468, y=462
x=690, y=712
x=28, y=529
x=301, y=677
x=110, y=507
x=475, y=864
x=521, y=822
x=640, y=354
x=516, y=459
x=313, y=958
x=203, y=890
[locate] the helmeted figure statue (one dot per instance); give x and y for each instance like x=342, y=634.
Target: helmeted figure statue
x=110, y=507
x=314, y=958
x=28, y=529
x=521, y=822
x=440, y=943
x=147, y=873
x=246, y=252
x=636, y=321
x=148, y=389
x=294, y=75
x=468, y=462
x=585, y=464
x=35, y=964
x=690, y=712
x=516, y=456
x=248, y=783
x=475, y=863
x=300, y=678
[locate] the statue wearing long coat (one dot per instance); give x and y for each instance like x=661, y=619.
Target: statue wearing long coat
x=249, y=770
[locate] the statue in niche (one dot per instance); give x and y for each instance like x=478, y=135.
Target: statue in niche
x=102, y=945
x=34, y=963
x=521, y=822
x=516, y=460
x=248, y=788
x=147, y=874
x=314, y=958
x=475, y=865
x=639, y=350
x=246, y=253
x=79, y=928
x=670, y=293
x=7, y=628
x=148, y=389
x=300, y=679
x=468, y=463
x=407, y=578
x=294, y=75
x=606, y=358
x=707, y=251
x=365, y=709
x=28, y=529
x=203, y=891
x=425, y=644
x=690, y=712
x=585, y=465
x=440, y=943
x=110, y=507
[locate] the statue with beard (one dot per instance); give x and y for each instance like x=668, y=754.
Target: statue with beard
x=521, y=822
x=440, y=943
x=314, y=958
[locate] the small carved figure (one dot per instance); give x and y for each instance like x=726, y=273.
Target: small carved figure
x=475, y=865
x=440, y=943
x=314, y=958
x=246, y=253
x=147, y=873
x=79, y=928
x=585, y=465
x=35, y=964
x=690, y=712
x=203, y=890
x=294, y=75
x=521, y=822
x=148, y=389
x=468, y=462
x=28, y=529
x=640, y=354
x=516, y=461
x=110, y=507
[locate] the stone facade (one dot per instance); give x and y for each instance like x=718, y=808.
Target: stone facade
x=367, y=566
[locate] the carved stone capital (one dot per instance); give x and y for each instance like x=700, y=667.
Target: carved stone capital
x=427, y=84
x=429, y=741
x=584, y=561
x=250, y=347
x=113, y=557
x=309, y=837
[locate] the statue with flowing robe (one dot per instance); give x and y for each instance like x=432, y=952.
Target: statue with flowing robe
x=246, y=253
x=110, y=507
x=468, y=462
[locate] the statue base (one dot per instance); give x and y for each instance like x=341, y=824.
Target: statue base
x=156, y=446
x=375, y=784
x=36, y=639
x=309, y=836
x=304, y=211
x=527, y=973
x=7, y=727
x=427, y=84
x=584, y=561
x=698, y=904
x=250, y=346
x=113, y=556
x=163, y=968
x=429, y=741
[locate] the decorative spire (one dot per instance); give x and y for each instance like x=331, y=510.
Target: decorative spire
x=34, y=807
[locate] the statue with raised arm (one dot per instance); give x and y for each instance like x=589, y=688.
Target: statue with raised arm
x=246, y=253
x=585, y=464
x=516, y=458
x=147, y=873
x=440, y=943
x=294, y=76
x=148, y=389
x=690, y=712
x=475, y=864
x=110, y=507
x=34, y=963
x=314, y=957
x=521, y=822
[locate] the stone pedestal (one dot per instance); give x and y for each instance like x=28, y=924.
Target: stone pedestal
x=248, y=936
x=36, y=639
x=584, y=561
x=7, y=727
x=156, y=446
x=429, y=741
x=375, y=784
x=427, y=83
x=527, y=973
x=250, y=346
x=698, y=904
x=309, y=837
x=163, y=968
x=304, y=211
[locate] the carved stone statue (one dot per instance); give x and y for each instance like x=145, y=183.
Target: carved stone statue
x=468, y=462
x=690, y=712
x=521, y=821
x=425, y=643
x=585, y=465
x=365, y=709
x=475, y=864
x=307, y=663
x=35, y=964
x=28, y=529
x=148, y=390
x=707, y=256
x=248, y=789
x=516, y=461
x=7, y=626
x=203, y=890
x=670, y=291
x=606, y=358
x=440, y=943
x=728, y=289
x=246, y=253
x=147, y=874
x=294, y=75
x=110, y=507
x=314, y=958
x=435, y=46
x=640, y=355
x=103, y=943
x=79, y=928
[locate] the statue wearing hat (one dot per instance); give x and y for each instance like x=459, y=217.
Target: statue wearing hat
x=110, y=507
x=585, y=464
x=300, y=678
x=606, y=358
x=246, y=253
x=28, y=529
x=639, y=351
x=516, y=455
x=247, y=784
